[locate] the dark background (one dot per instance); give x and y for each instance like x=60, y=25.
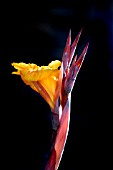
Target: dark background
x=37, y=33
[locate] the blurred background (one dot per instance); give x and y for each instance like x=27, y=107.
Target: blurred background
x=37, y=33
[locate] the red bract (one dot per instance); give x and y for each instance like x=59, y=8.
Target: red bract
x=61, y=112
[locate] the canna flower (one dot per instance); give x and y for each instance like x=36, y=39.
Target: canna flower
x=55, y=86
x=42, y=79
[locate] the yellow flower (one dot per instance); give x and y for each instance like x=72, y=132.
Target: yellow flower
x=46, y=80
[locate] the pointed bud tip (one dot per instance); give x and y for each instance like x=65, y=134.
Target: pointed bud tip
x=80, y=31
x=70, y=32
x=87, y=44
x=86, y=47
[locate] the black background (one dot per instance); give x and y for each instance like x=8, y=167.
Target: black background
x=37, y=33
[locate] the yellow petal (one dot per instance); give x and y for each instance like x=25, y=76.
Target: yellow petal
x=24, y=66
x=16, y=72
x=55, y=64
x=32, y=72
x=49, y=85
x=38, y=75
